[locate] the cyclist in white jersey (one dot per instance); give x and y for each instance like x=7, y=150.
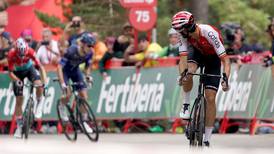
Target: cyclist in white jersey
x=201, y=44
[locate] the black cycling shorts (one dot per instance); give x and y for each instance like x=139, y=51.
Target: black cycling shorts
x=212, y=64
x=32, y=74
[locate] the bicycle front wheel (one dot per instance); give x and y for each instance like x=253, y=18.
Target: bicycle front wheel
x=197, y=122
x=68, y=125
x=87, y=120
x=201, y=121
x=28, y=118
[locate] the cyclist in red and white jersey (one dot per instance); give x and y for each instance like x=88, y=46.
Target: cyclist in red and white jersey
x=21, y=64
x=201, y=44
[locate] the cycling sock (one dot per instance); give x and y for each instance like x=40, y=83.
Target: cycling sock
x=186, y=97
x=85, y=116
x=208, y=133
x=19, y=121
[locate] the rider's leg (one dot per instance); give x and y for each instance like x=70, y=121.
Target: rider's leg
x=187, y=86
x=18, y=92
x=213, y=66
x=34, y=77
x=18, y=107
x=83, y=94
x=81, y=88
x=210, y=96
x=193, y=60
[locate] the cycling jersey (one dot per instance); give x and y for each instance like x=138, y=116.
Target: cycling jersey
x=15, y=63
x=71, y=62
x=210, y=42
x=72, y=58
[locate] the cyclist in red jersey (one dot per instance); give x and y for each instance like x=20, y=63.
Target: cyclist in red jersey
x=200, y=44
x=20, y=65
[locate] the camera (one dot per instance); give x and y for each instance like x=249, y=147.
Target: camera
x=45, y=43
x=229, y=30
x=76, y=24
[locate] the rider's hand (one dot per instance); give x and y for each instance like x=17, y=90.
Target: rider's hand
x=64, y=86
x=268, y=61
x=224, y=83
x=89, y=79
x=182, y=77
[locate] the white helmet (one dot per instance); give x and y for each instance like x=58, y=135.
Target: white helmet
x=172, y=31
x=21, y=47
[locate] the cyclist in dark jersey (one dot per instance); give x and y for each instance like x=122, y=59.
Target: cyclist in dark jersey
x=21, y=64
x=200, y=45
x=68, y=68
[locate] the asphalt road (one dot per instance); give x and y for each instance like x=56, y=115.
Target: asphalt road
x=136, y=144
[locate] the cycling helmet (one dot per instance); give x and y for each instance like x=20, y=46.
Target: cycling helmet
x=183, y=22
x=21, y=47
x=88, y=39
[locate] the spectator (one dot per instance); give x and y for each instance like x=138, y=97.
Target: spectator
x=172, y=50
x=27, y=35
x=48, y=51
x=119, y=47
x=146, y=52
x=100, y=49
x=5, y=40
x=235, y=39
x=73, y=30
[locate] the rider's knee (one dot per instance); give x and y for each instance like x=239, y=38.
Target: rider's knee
x=210, y=98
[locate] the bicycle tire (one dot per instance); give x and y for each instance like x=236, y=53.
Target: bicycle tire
x=27, y=118
x=94, y=136
x=201, y=121
x=68, y=127
x=193, y=124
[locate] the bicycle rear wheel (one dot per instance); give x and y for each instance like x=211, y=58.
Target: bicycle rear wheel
x=88, y=124
x=68, y=126
x=28, y=118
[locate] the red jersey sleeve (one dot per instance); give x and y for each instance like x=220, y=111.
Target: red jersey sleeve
x=10, y=60
x=32, y=55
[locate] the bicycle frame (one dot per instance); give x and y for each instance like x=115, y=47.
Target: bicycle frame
x=198, y=111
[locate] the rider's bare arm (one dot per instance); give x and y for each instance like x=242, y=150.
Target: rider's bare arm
x=182, y=63
x=13, y=76
x=60, y=73
x=226, y=64
x=43, y=73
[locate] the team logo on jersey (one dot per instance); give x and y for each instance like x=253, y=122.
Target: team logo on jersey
x=214, y=39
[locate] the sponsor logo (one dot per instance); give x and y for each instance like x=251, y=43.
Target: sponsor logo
x=131, y=96
x=236, y=99
x=8, y=101
x=214, y=39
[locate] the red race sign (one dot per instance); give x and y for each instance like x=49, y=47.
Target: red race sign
x=143, y=19
x=138, y=3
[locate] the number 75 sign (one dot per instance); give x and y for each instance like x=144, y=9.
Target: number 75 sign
x=142, y=14
x=142, y=19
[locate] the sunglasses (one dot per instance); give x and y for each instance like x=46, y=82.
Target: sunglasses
x=88, y=45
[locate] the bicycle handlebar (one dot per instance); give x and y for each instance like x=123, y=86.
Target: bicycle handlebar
x=204, y=75
x=70, y=84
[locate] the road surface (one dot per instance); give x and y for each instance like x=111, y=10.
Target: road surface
x=136, y=144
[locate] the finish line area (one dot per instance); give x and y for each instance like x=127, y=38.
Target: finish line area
x=136, y=144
